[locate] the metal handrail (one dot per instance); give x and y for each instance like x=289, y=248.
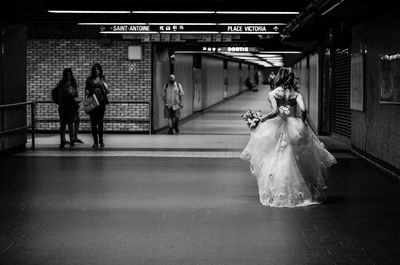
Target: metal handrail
x=33, y=105
x=17, y=129
x=116, y=102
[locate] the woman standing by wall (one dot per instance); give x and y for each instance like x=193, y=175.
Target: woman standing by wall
x=96, y=84
x=65, y=92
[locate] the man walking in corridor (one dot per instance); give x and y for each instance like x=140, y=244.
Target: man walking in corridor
x=172, y=97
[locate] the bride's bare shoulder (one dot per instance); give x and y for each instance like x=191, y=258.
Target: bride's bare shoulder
x=278, y=92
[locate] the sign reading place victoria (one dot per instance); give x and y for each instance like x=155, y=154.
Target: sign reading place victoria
x=248, y=29
x=200, y=29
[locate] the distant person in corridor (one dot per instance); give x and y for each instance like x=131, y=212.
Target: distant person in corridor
x=172, y=97
x=271, y=80
x=248, y=83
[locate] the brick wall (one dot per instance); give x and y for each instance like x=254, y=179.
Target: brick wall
x=128, y=80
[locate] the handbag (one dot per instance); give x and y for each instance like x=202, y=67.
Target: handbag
x=90, y=103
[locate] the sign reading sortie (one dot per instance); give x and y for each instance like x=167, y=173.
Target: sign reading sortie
x=229, y=49
x=192, y=28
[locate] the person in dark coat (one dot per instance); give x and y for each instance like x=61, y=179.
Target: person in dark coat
x=96, y=84
x=249, y=85
x=65, y=91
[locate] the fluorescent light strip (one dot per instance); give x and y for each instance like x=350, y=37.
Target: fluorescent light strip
x=88, y=12
x=178, y=12
x=329, y=10
x=173, y=12
x=259, y=12
x=272, y=59
x=294, y=52
x=247, y=57
x=269, y=60
x=258, y=33
x=236, y=53
x=192, y=52
x=189, y=32
x=105, y=24
x=117, y=32
x=252, y=24
x=270, y=55
x=183, y=24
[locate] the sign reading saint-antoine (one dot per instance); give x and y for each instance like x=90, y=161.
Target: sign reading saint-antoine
x=125, y=28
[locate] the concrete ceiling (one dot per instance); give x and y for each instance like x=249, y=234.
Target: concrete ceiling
x=300, y=31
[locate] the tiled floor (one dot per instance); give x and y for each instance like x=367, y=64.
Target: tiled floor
x=149, y=200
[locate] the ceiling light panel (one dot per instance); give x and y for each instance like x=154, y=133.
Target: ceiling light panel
x=88, y=12
x=281, y=52
x=258, y=12
x=173, y=12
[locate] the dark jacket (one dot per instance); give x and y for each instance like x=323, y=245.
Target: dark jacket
x=66, y=102
x=99, y=89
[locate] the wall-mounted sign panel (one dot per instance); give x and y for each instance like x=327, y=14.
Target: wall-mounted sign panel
x=135, y=52
x=389, y=78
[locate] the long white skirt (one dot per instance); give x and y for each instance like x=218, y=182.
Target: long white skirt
x=289, y=161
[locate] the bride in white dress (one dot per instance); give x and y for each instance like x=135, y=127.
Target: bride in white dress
x=287, y=158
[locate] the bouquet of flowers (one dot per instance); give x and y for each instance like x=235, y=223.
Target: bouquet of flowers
x=252, y=119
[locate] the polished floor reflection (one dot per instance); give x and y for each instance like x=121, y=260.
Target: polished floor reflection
x=183, y=209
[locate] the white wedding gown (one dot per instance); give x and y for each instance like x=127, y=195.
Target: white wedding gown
x=289, y=161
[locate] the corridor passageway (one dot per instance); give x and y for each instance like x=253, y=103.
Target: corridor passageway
x=187, y=199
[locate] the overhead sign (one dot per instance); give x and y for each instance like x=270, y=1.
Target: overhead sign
x=257, y=29
x=229, y=49
x=192, y=29
x=126, y=29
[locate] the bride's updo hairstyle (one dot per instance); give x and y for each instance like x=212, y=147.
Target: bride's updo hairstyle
x=285, y=78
